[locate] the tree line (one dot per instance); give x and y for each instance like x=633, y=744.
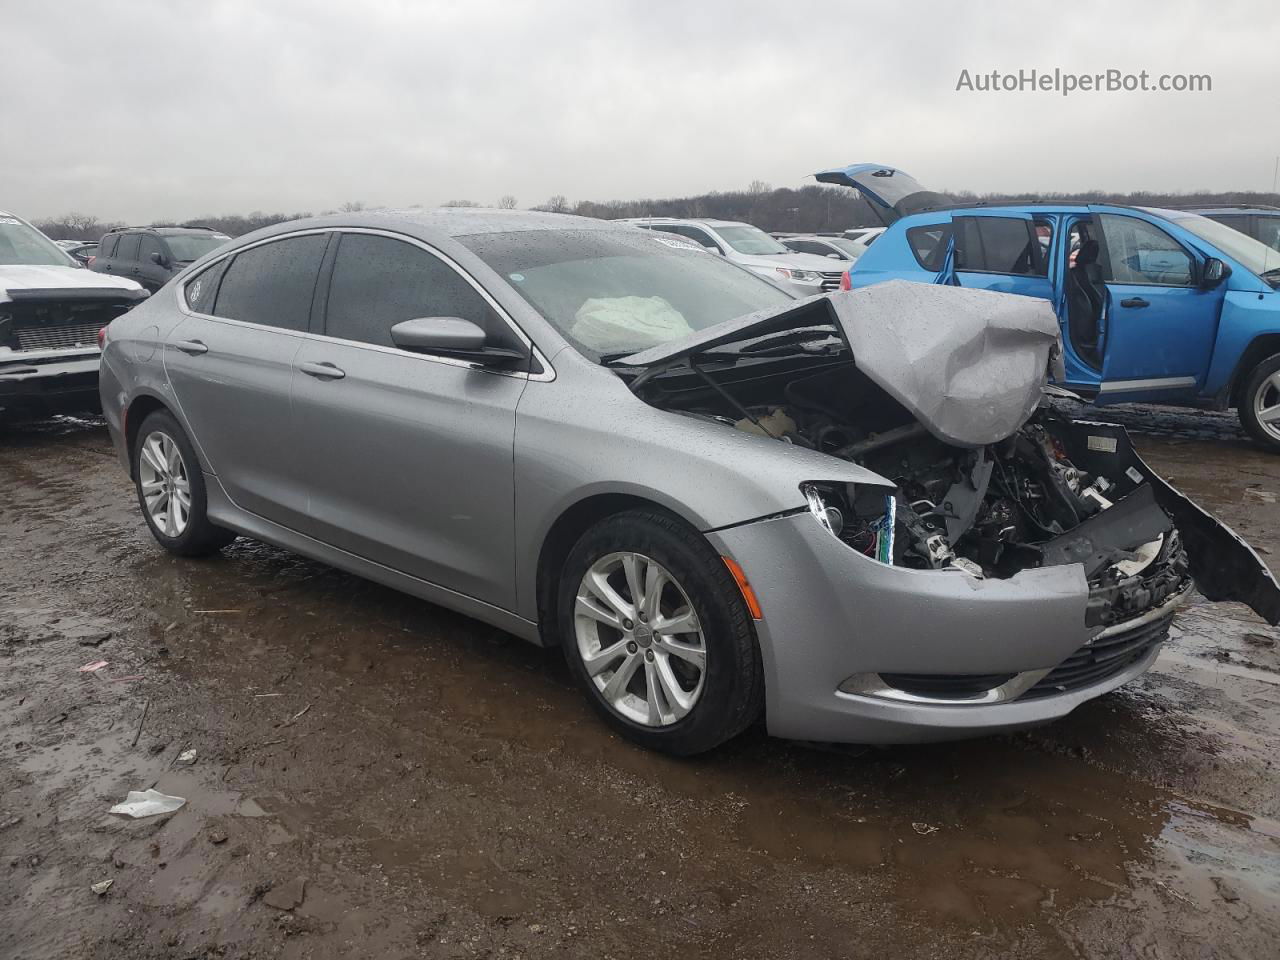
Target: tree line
x=799, y=210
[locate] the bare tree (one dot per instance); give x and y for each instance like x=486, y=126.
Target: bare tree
x=460, y=203
x=557, y=204
x=506, y=202
x=352, y=206
x=758, y=188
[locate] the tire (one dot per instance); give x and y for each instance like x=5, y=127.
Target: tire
x=708, y=704
x=1261, y=390
x=163, y=455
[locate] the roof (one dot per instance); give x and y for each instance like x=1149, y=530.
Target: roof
x=455, y=221
x=705, y=221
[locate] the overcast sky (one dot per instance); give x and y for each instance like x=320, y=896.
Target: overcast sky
x=136, y=110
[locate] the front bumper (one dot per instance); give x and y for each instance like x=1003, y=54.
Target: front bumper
x=834, y=618
x=48, y=378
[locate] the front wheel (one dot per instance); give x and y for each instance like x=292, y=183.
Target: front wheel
x=171, y=490
x=656, y=632
x=1259, y=408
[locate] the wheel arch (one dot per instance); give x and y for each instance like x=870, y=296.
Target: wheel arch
x=139, y=408
x=1259, y=348
x=564, y=532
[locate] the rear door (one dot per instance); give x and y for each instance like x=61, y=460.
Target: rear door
x=1160, y=325
x=230, y=363
x=125, y=261
x=1001, y=252
x=409, y=457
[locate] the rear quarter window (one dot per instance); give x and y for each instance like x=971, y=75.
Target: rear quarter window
x=928, y=243
x=201, y=291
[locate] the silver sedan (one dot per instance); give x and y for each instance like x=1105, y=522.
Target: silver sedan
x=849, y=515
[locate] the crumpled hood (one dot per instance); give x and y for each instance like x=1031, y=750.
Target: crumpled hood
x=968, y=364
x=19, y=277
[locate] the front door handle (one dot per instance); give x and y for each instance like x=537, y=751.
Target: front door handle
x=322, y=371
x=1135, y=302
x=192, y=347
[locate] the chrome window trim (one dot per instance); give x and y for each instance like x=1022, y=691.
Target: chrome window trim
x=548, y=372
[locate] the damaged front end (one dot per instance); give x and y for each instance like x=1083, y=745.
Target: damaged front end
x=49, y=351
x=941, y=392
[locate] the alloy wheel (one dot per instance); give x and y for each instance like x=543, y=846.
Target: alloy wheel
x=640, y=639
x=1266, y=405
x=166, y=487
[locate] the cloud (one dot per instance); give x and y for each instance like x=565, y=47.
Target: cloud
x=177, y=108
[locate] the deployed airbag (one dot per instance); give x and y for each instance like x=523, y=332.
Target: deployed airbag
x=604, y=323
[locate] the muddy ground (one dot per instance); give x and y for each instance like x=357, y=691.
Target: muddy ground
x=415, y=784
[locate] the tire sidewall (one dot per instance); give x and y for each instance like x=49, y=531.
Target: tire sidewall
x=1248, y=418
x=731, y=676
x=194, y=532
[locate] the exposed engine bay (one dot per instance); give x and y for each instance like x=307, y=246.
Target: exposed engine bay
x=1026, y=501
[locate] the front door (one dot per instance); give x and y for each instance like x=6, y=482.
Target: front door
x=1160, y=324
x=410, y=458
x=230, y=363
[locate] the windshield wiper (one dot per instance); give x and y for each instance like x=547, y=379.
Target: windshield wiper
x=768, y=343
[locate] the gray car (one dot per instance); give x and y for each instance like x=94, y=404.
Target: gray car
x=850, y=514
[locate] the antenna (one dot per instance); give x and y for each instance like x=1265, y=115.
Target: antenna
x=1275, y=176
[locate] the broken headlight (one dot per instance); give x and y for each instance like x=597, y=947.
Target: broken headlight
x=823, y=506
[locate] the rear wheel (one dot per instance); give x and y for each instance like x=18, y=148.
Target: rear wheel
x=171, y=490
x=656, y=632
x=1259, y=408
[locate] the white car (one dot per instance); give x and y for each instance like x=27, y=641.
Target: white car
x=51, y=312
x=864, y=235
x=840, y=249
x=750, y=247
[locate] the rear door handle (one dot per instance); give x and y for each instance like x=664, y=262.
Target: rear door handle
x=1135, y=302
x=192, y=347
x=322, y=371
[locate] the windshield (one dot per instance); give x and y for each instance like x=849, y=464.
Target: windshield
x=751, y=240
x=1251, y=253
x=194, y=246
x=614, y=293
x=20, y=243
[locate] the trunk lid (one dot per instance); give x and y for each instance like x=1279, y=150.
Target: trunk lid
x=893, y=193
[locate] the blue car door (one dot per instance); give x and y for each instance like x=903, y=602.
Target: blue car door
x=1159, y=323
x=1004, y=252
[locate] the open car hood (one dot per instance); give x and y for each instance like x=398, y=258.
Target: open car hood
x=895, y=194
x=968, y=364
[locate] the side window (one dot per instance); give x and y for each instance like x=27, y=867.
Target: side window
x=108, y=246
x=700, y=237
x=1140, y=252
x=998, y=245
x=1269, y=231
x=377, y=282
x=127, y=247
x=809, y=246
x=1236, y=221
x=929, y=244
x=202, y=289
x=273, y=284
x=146, y=247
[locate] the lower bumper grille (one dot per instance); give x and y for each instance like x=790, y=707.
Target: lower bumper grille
x=60, y=337
x=1093, y=663
x=1102, y=659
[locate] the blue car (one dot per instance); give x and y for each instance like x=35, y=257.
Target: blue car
x=1157, y=306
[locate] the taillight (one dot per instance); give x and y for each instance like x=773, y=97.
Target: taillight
x=845, y=282
x=102, y=338
x=89, y=262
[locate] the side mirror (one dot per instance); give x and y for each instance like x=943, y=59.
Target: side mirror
x=158, y=259
x=1213, y=273
x=450, y=337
